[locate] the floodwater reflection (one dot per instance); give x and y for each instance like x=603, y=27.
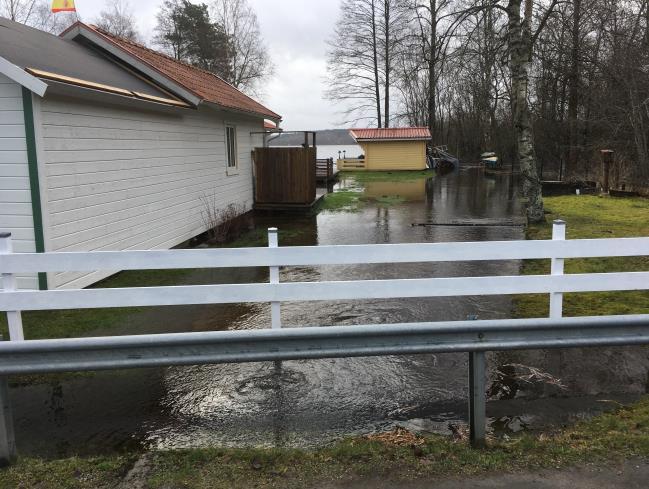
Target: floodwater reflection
x=309, y=403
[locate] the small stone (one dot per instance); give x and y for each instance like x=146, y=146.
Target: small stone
x=256, y=464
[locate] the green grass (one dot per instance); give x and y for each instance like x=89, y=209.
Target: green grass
x=72, y=473
x=344, y=200
x=591, y=217
x=74, y=323
x=606, y=439
x=80, y=322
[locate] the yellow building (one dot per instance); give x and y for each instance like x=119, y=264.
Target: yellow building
x=390, y=149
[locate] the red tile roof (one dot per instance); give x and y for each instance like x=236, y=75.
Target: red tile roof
x=392, y=133
x=203, y=84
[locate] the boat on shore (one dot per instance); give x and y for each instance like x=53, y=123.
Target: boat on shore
x=441, y=160
x=490, y=160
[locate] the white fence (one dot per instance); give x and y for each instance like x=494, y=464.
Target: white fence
x=556, y=284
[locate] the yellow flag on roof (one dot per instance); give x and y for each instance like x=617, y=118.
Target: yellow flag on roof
x=63, y=6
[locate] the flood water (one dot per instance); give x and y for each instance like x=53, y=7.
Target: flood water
x=310, y=403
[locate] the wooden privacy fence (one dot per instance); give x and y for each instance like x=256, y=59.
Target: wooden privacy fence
x=285, y=175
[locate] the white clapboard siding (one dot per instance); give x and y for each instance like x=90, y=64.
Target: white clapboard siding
x=15, y=196
x=129, y=179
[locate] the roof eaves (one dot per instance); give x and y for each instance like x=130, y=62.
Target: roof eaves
x=132, y=59
x=395, y=138
x=239, y=110
x=23, y=78
x=267, y=112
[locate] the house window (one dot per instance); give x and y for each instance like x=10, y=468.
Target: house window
x=231, y=147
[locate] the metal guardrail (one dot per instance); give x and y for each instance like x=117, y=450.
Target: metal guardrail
x=122, y=352
x=476, y=337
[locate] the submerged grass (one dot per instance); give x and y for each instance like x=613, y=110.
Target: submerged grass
x=591, y=217
x=387, y=176
x=352, y=198
x=608, y=438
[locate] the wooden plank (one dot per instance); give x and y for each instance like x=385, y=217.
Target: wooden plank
x=320, y=291
x=322, y=255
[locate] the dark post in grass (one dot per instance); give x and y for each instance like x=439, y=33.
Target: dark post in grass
x=7, y=437
x=477, y=399
x=607, y=159
x=477, y=396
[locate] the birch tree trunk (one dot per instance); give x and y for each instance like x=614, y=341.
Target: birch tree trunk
x=520, y=50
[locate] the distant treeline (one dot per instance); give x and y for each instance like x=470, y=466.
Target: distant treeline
x=327, y=137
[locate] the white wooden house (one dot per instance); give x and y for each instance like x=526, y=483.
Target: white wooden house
x=108, y=145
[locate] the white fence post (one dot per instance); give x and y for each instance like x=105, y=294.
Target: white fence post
x=556, y=298
x=14, y=318
x=275, y=308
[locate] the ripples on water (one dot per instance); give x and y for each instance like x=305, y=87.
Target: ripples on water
x=308, y=403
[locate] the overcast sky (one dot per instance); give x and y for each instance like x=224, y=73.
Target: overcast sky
x=295, y=31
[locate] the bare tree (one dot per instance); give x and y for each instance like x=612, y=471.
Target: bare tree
x=250, y=59
x=21, y=11
x=363, y=54
x=117, y=18
x=353, y=62
x=37, y=14
x=436, y=23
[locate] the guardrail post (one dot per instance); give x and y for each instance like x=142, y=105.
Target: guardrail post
x=557, y=267
x=7, y=436
x=275, y=307
x=14, y=318
x=477, y=399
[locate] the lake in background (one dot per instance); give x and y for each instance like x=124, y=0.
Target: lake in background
x=331, y=151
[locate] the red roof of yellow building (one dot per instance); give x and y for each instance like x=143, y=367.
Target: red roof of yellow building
x=391, y=133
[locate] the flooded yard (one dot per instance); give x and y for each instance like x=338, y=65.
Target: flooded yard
x=309, y=403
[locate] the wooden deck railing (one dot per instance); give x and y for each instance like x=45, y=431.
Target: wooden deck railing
x=324, y=169
x=351, y=164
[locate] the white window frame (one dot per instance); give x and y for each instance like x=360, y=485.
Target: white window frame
x=234, y=169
